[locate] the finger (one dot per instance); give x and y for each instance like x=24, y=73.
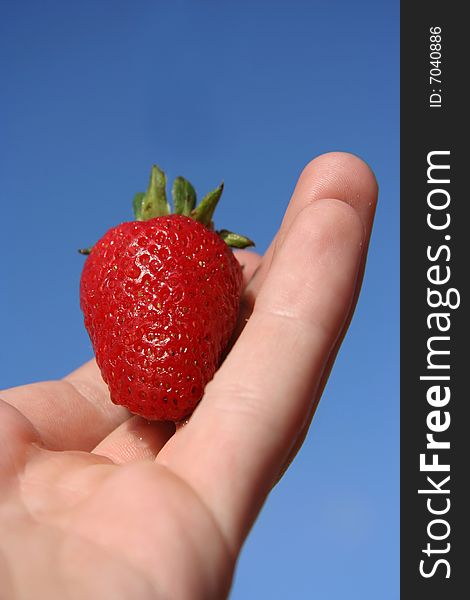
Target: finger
x=362, y=195
x=243, y=429
x=135, y=439
x=337, y=175
x=17, y=435
x=343, y=176
x=73, y=414
x=326, y=372
x=249, y=262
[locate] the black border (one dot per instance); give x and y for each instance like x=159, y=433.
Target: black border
x=425, y=129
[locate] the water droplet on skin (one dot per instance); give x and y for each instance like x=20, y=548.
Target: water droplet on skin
x=182, y=423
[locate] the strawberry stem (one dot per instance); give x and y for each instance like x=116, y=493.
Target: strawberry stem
x=205, y=211
x=155, y=203
x=184, y=197
x=234, y=240
x=137, y=205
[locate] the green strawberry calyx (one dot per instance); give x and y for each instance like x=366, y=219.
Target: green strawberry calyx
x=153, y=203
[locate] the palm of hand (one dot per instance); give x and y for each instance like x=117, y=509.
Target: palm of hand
x=97, y=504
x=111, y=531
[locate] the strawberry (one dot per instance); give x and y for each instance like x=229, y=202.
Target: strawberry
x=160, y=297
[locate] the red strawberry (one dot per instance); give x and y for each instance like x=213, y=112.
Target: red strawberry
x=160, y=297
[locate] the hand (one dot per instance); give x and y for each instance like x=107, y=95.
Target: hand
x=95, y=503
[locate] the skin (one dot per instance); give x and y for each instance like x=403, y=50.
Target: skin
x=95, y=503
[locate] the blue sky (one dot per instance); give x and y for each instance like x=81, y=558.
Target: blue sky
x=93, y=93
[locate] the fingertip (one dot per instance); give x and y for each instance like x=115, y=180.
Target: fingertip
x=249, y=262
x=325, y=237
x=349, y=175
x=351, y=164
x=134, y=440
x=339, y=221
x=247, y=258
x=319, y=228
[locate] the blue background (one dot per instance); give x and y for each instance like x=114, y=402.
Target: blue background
x=92, y=93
